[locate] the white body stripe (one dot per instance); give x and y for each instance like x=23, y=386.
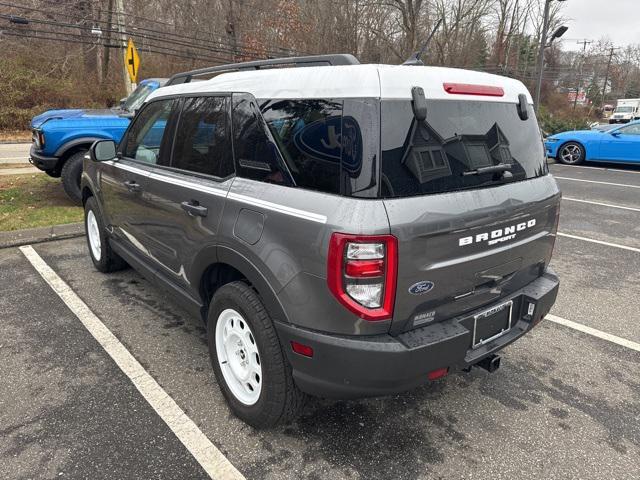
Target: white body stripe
x=294, y=212
x=197, y=186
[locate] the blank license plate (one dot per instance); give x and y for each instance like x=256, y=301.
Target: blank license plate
x=492, y=323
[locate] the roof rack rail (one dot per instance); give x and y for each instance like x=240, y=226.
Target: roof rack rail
x=308, y=61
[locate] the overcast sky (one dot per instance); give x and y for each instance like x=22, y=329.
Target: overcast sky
x=593, y=19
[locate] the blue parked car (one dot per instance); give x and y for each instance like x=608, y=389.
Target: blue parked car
x=61, y=138
x=618, y=144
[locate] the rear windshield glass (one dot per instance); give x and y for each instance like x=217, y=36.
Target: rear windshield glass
x=448, y=151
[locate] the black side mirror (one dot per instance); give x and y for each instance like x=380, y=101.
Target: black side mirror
x=419, y=104
x=122, y=102
x=102, y=150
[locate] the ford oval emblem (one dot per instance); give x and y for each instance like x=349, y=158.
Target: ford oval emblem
x=421, y=287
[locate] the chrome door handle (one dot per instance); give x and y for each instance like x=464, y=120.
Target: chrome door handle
x=194, y=209
x=132, y=186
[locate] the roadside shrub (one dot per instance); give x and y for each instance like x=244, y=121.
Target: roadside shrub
x=561, y=122
x=27, y=91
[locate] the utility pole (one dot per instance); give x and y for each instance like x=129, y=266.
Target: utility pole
x=123, y=41
x=584, y=49
x=543, y=44
x=606, y=76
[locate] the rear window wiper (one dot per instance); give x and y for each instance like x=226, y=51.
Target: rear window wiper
x=504, y=167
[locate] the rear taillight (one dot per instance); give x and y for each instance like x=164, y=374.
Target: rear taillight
x=361, y=273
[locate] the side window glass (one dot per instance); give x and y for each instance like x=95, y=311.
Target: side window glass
x=256, y=155
x=144, y=139
x=202, y=137
x=309, y=136
x=631, y=130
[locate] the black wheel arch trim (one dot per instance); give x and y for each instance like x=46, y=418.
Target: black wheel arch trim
x=226, y=255
x=62, y=150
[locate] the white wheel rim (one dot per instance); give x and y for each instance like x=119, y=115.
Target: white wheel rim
x=93, y=232
x=571, y=154
x=238, y=357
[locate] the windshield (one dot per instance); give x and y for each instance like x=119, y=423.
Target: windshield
x=624, y=109
x=137, y=97
x=455, y=146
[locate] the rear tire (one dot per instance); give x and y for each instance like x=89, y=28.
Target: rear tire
x=102, y=255
x=71, y=173
x=571, y=153
x=243, y=343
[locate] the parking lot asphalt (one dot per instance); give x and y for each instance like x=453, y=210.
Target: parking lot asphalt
x=564, y=404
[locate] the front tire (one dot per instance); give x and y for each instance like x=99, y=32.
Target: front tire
x=102, y=255
x=71, y=173
x=571, y=153
x=251, y=369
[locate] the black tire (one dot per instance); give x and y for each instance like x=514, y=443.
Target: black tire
x=571, y=153
x=108, y=261
x=71, y=173
x=53, y=173
x=280, y=400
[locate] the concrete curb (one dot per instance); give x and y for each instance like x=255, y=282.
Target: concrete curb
x=29, y=236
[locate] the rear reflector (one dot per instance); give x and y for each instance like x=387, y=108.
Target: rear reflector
x=436, y=374
x=302, y=349
x=469, y=89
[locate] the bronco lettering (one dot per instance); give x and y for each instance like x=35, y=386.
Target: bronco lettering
x=498, y=235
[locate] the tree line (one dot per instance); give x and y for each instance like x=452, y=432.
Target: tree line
x=78, y=42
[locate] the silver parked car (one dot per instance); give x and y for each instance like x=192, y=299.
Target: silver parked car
x=343, y=230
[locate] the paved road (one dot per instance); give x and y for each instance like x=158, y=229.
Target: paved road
x=564, y=405
x=14, y=153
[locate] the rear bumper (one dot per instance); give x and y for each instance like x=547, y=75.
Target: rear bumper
x=41, y=161
x=351, y=367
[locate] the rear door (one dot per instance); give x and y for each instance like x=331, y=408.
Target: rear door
x=465, y=238
x=124, y=181
x=187, y=195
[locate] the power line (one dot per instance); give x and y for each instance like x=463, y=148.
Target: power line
x=144, y=29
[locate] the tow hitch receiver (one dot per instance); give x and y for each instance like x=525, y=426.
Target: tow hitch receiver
x=490, y=363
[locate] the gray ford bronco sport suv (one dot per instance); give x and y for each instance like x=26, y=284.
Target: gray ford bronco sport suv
x=343, y=230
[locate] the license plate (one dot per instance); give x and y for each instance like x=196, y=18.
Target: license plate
x=492, y=323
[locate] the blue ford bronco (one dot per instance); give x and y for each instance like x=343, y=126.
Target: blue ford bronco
x=61, y=138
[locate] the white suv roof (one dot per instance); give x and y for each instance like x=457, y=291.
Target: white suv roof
x=352, y=81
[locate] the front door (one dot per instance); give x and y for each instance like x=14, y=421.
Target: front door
x=188, y=194
x=124, y=181
x=623, y=145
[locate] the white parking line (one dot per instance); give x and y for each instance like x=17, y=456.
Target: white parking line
x=596, y=168
x=600, y=242
x=208, y=456
x=595, y=332
x=601, y=204
x=595, y=181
